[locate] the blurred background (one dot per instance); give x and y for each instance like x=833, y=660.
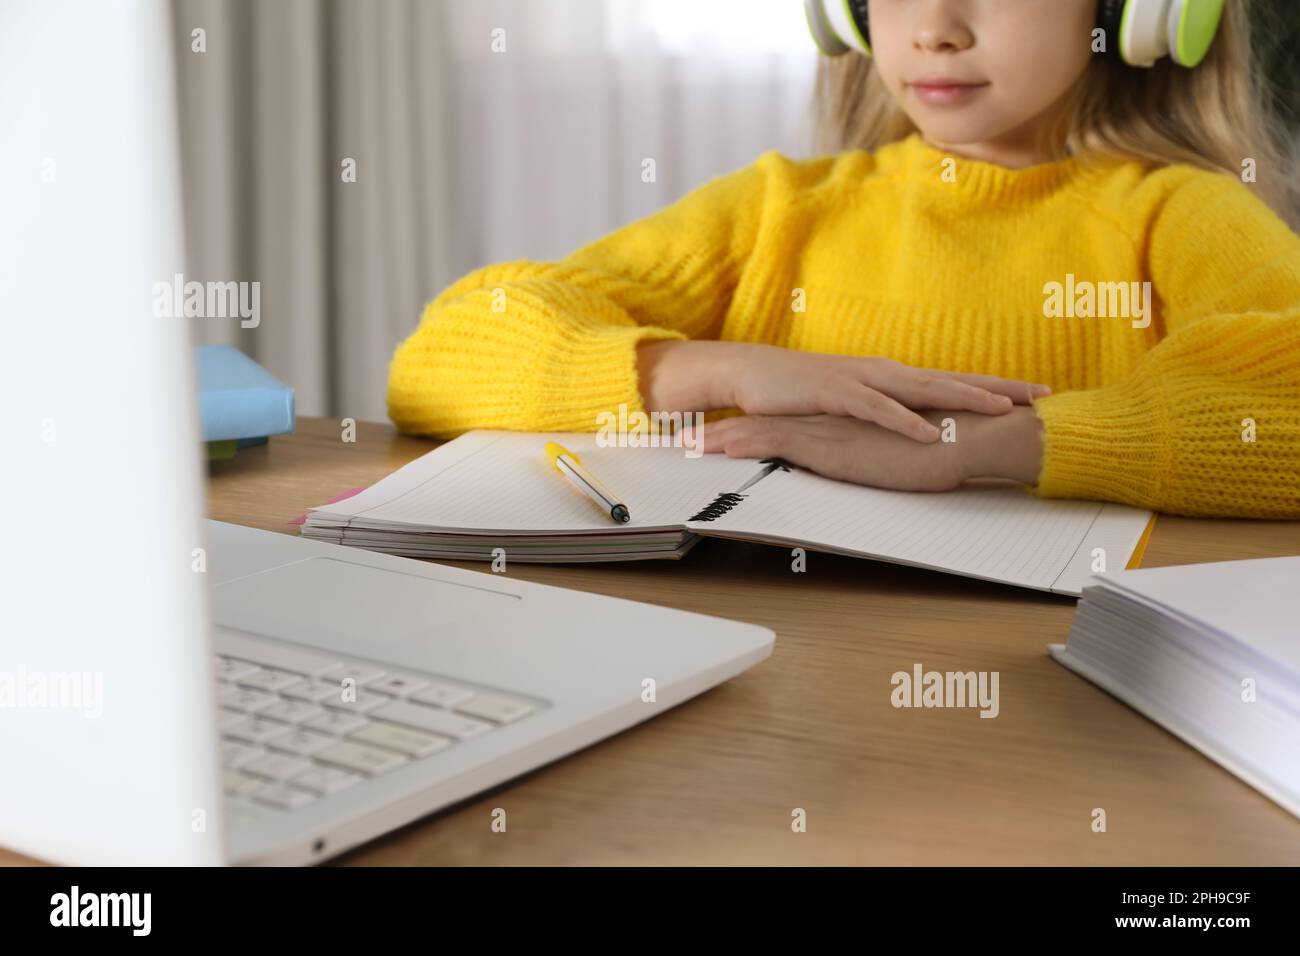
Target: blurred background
x=479, y=131
x=464, y=154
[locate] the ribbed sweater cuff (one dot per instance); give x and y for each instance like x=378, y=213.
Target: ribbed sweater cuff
x=1106, y=443
x=589, y=369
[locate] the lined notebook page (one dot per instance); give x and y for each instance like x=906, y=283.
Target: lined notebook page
x=996, y=533
x=500, y=482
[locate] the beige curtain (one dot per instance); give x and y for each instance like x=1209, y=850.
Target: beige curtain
x=482, y=130
x=284, y=94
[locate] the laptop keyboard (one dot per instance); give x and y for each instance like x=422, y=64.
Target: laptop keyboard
x=295, y=729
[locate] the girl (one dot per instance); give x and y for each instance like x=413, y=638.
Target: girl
x=961, y=293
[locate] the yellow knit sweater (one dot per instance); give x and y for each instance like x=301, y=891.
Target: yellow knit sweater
x=935, y=261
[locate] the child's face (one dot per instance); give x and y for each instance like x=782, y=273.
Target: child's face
x=1019, y=57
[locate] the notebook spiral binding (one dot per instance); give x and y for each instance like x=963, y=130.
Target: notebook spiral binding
x=720, y=505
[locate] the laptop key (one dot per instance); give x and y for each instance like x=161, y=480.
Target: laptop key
x=234, y=754
x=230, y=669
x=228, y=720
x=358, y=672
x=239, y=783
x=496, y=708
x=273, y=681
x=336, y=722
x=360, y=700
x=277, y=766
x=413, y=743
x=441, y=695
x=304, y=742
x=398, y=685
x=292, y=711
x=282, y=796
x=256, y=730
x=247, y=701
x=311, y=691
x=353, y=756
x=432, y=719
x=326, y=780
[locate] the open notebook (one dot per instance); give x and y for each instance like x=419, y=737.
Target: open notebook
x=491, y=490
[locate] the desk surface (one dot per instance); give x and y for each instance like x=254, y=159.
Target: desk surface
x=715, y=780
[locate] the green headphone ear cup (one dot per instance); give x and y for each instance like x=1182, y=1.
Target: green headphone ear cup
x=1186, y=29
x=1197, y=26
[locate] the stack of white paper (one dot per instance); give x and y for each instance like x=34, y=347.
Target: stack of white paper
x=1209, y=651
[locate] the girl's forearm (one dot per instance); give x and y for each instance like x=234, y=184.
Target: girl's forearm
x=1003, y=446
x=686, y=376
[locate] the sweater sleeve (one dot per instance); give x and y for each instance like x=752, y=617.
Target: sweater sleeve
x=546, y=346
x=1208, y=422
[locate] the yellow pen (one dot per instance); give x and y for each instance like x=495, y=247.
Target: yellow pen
x=570, y=466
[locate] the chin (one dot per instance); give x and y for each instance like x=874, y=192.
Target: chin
x=954, y=134
x=958, y=131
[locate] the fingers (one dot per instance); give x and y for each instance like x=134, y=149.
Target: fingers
x=881, y=391
x=870, y=405
x=923, y=391
x=815, y=446
x=1022, y=393
x=717, y=434
x=777, y=438
x=933, y=389
x=714, y=434
x=843, y=449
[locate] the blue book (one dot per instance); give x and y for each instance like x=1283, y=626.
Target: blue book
x=238, y=398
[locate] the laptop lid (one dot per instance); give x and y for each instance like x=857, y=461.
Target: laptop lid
x=106, y=717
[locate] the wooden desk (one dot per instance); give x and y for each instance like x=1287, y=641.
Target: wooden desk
x=715, y=780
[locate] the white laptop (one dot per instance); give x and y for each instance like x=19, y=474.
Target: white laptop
x=180, y=691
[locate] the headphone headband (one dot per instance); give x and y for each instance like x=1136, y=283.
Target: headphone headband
x=1138, y=32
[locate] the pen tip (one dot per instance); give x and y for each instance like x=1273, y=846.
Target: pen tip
x=620, y=513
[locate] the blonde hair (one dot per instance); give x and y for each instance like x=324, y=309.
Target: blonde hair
x=1215, y=116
